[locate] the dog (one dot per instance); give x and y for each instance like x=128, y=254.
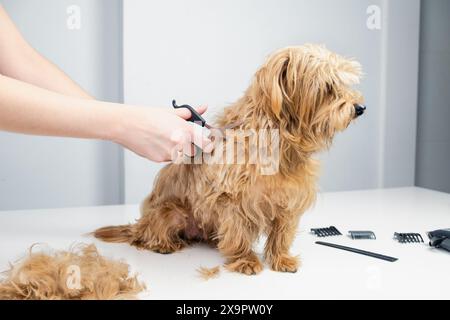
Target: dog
x=305, y=94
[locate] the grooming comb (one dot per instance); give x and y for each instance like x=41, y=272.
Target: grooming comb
x=408, y=237
x=358, y=251
x=326, y=232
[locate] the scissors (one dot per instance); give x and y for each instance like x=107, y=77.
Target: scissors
x=198, y=119
x=195, y=116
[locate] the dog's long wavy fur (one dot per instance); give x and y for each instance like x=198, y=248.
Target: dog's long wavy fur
x=306, y=93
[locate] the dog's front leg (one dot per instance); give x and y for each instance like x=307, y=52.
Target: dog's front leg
x=279, y=241
x=235, y=242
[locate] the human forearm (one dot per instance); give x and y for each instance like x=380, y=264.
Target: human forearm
x=28, y=109
x=154, y=133
x=29, y=66
x=20, y=61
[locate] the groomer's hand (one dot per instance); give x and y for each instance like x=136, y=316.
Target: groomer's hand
x=160, y=134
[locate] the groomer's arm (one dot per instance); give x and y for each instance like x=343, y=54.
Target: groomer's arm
x=20, y=61
x=154, y=133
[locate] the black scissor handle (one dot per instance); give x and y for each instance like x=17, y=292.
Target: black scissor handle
x=196, y=117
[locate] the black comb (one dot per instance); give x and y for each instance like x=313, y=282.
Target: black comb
x=358, y=251
x=326, y=232
x=408, y=237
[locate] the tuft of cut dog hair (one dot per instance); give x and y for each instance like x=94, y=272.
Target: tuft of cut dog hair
x=209, y=273
x=303, y=92
x=79, y=274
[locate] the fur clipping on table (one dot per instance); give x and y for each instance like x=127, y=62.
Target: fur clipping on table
x=208, y=273
x=78, y=274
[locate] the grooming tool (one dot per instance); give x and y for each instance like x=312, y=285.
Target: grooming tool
x=195, y=116
x=359, y=251
x=198, y=119
x=408, y=237
x=326, y=232
x=358, y=235
x=440, y=239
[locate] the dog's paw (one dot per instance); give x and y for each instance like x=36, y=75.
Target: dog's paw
x=165, y=248
x=168, y=248
x=285, y=263
x=246, y=266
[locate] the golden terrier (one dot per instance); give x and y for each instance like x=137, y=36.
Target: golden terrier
x=305, y=95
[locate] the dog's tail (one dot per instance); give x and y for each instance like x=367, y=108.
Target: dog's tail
x=116, y=234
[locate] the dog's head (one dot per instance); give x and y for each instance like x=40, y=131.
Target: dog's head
x=308, y=91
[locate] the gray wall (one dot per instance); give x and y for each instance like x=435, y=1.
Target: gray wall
x=433, y=134
x=400, y=72
x=43, y=172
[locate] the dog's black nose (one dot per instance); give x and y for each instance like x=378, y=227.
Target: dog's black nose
x=359, y=109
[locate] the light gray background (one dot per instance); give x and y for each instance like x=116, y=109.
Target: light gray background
x=433, y=138
x=41, y=172
x=206, y=52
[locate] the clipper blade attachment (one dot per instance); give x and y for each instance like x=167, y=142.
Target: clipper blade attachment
x=408, y=237
x=326, y=232
x=359, y=235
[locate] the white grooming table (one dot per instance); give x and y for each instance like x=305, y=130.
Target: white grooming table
x=326, y=273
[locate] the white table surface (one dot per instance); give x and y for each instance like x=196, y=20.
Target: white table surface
x=326, y=273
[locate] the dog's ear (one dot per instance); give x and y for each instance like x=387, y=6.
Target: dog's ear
x=270, y=82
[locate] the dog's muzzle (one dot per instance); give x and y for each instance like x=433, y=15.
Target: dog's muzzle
x=359, y=109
